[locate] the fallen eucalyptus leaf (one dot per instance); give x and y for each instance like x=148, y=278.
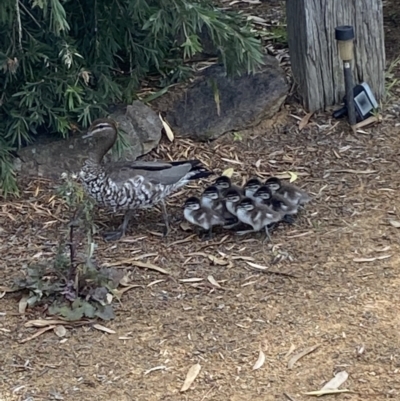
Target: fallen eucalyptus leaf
x=293, y=176
x=337, y=381
x=300, y=355
x=228, y=172
x=23, y=304
x=192, y=373
x=260, y=361
x=212, y=280
x=102, y=328
x=395, y=223
x=167, y=128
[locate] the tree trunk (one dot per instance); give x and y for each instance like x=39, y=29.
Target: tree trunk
x=316, y=66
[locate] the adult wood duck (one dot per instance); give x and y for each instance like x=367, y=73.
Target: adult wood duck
x=127, y=186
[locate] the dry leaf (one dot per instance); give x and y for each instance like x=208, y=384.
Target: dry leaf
x=304, y=121
x=293, y=176
x=300, y=355
x=185, y=226
x=228, y=172
x=191, y=280
x=260, y=361
x=212, y=280
x=60, y=331
x=125, y=280
x=191, y=376
x=395, y=223
x=255, y=265
x=318, y=393
x=337, y=381
x=168, y=129
x=291, y=349
x=23, y=304
x=118, y=293
x=102, y=328
x=362, y=260
x=217, y=261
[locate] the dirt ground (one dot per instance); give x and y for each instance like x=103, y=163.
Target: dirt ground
x=335, y=286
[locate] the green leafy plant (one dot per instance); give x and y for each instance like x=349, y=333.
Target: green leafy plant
x=72, y=284
x=63, y=62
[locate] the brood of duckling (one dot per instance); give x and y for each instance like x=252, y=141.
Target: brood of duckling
x=201, y=216
x=251, y=187
x=224, y=184
x=289, y=191
x=127, y=186
x=257, y=216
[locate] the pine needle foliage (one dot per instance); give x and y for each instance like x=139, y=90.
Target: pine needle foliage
x=63, y=61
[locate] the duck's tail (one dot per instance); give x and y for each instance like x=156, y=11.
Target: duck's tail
x=197, y=170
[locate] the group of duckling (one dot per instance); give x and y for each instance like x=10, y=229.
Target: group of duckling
x=258, y=205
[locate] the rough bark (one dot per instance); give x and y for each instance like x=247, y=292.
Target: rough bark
x=316, y=66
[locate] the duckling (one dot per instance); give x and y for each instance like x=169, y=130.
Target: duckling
x=251, y=187
x=257, y=216
x=224, y=184
x=232, y=199
x=201, y=216
x=264, y=196
x=289, y=191
x=211, y=199
x=127, y=186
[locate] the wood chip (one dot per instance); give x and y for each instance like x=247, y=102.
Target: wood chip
x=37, y=334
x=23, y=304
x=162, y=367
x=300, y=355
x=191, y=376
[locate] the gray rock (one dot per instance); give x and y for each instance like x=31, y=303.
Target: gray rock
x=142, y=128
x=244, y=101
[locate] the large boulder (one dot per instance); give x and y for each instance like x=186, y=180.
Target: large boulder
x=142, y=128
x=244, y=101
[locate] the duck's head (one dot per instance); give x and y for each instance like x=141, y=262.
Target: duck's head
x=274, y=184
x=192, y=203
x=232, y=196
x=252, y=185
x=223, y=182
x=263, y=193
x=211, y=192
x=103, y=132
x=246, y=204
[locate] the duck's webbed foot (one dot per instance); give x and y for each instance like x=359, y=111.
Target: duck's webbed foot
x=120, y=232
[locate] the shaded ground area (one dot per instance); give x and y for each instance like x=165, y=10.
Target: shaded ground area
x=342, y=291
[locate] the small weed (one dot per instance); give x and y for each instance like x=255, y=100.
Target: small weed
x=72, y=284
